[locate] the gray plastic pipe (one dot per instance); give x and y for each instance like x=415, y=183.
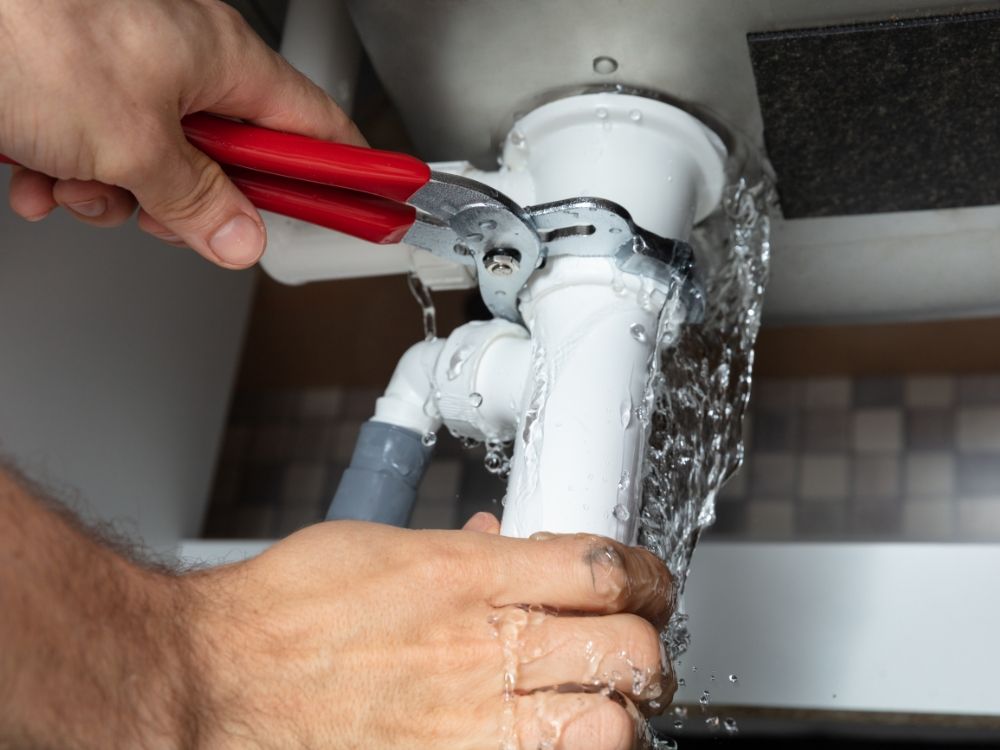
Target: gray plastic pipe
x=381, y=483
x=392, y=454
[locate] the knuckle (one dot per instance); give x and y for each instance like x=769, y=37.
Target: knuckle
x=187, y=204
x=227, y=16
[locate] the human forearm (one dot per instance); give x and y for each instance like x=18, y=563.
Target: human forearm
x=93, y=651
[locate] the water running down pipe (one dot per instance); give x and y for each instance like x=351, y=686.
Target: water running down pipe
x=570, y=389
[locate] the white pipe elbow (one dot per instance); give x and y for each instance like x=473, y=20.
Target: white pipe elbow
x=409, y=399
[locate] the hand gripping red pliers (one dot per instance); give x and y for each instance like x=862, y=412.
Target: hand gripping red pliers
x=388, y=197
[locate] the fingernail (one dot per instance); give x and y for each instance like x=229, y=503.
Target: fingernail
x=91, y=209
x=39, y=217
x=240, y=241
x=171, y=238
x=541, y=536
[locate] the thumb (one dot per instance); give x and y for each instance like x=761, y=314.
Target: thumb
x=485, y=523
x=189, y=195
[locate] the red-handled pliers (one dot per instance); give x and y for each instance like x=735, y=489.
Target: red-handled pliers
x=379, y=196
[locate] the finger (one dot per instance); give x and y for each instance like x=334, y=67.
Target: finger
x=622, y=652
x=485, y=523
x=151, y=226
x=94, y=202
x=585, y=573
x=188, y=194
x=30, y=194
x=574, y=721
x=262, y=87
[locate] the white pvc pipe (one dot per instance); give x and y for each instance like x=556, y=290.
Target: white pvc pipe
x=479, y=378
x=579, y=448
x=409, y=398
x=664, y=166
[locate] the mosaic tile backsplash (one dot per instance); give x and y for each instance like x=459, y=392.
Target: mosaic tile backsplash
x=839, y=459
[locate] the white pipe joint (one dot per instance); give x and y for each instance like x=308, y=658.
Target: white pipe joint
x=480, y=376
x=660, y=163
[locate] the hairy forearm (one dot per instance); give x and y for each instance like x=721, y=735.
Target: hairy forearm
x=93, y=647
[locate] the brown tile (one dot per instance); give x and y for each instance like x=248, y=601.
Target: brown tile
x=771, y=474
x=826, y=430
x=875, y=518
x=770, y=518
x=979, y=389
x=777, y=393
x=821, y=520
x=730, y=520
x=978, y=475
x=876, y=476
x=823, y=477
x=878, y=391
x=930, y=429
x=774, y=430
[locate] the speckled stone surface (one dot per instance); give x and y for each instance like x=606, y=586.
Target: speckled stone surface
x=891, y=116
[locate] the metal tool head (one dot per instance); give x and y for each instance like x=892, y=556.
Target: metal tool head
x=467, y=222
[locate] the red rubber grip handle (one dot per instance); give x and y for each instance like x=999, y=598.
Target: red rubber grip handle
x=385, y=173
x=358, y=214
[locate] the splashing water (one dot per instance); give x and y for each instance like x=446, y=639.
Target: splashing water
x=700, y=386
x=422, y=294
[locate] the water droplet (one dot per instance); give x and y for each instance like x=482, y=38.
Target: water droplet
x=678, y=724
x=621, y=513
x=488, y=226
x=729, y=724
x=705, y=698
x=429, y=439
x=517, y=139
x=602, y=113
x=712, y=722
x=635, y=115
x=638, y=332
x=476, y=399
x=604, y=65
x=624, y=481
x=474, y=237
x=681, y=682
x=711, y=677
x=457, y=361
x=733, y=678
